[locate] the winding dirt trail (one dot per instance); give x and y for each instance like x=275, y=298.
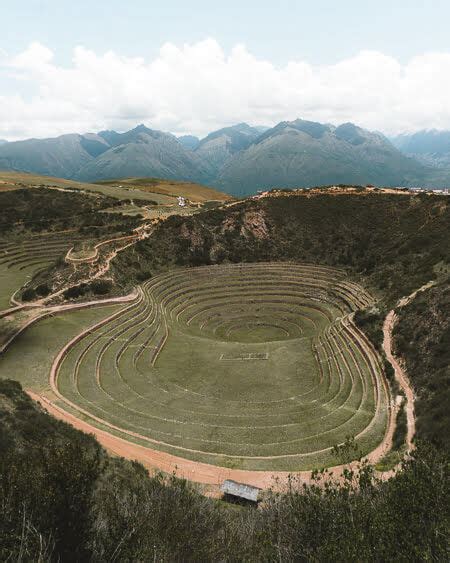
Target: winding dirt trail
x=142, y=232
x=204, y=473
x=400, y=374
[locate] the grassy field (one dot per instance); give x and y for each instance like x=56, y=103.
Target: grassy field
x=249, y=366
x=29, y=358
x=190, y=190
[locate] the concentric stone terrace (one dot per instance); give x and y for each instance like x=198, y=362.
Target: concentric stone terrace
x=255, y=366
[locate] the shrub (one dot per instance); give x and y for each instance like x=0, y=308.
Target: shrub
x=28, y=294
x=143, y=275
x=75, y=291
x=42, y=290
x=101, y=287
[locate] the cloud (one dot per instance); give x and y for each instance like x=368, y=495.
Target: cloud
x=195, y=88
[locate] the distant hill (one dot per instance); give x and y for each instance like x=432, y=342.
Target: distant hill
x=144, y=152
x=218, y=147
x=192, y=191
x=431, y=147
x=3, y=141
x=60, y=156
x=18, y=180
x=189, y=142
x=305, y=153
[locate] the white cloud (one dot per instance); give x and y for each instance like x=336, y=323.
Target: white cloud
x=198, y=87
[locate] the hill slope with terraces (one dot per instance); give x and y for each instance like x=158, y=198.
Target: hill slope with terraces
x=228, y=339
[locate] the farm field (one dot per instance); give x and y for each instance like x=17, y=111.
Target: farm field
x=169, y=188
x=255, y=366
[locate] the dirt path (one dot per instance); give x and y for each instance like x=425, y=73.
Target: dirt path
x=400, y=374
x=157, y=460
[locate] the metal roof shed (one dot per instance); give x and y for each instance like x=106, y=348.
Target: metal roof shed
x=241, y=490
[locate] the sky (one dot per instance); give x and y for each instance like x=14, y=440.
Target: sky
x=192, y=67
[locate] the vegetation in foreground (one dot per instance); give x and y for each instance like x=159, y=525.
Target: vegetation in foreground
x=64, y=499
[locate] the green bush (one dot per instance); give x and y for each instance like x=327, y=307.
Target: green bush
x=42, y=290
x=101, y=287
x=29, y=294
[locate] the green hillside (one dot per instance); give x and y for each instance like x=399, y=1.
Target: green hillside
x=390, y=241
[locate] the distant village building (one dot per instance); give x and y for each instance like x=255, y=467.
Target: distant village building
x=240, y=490
x=181, y=201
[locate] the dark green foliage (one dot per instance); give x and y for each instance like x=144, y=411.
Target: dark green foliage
x=401, y=428
x=42, y=290
x=371, y=322
x=63, y=499
x=76, y=291
x=29, y=294
x=96, y=287
x=43, y=209
x=47, y=474
x=422, y=338
x=390, y=375
x=143, y=275
x=159, y=518
x=403, y=519
x=101, y=287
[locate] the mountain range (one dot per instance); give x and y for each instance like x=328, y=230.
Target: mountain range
x=242, y=159
x=431, y=147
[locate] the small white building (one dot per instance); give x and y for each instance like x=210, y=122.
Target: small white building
x=181, y=201
x=241, y=490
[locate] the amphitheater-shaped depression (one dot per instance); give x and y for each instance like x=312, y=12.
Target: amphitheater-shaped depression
x=254, y=366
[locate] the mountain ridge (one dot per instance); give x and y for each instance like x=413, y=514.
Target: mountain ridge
x=429, y=146
x=239, y=159
x=302, y=153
